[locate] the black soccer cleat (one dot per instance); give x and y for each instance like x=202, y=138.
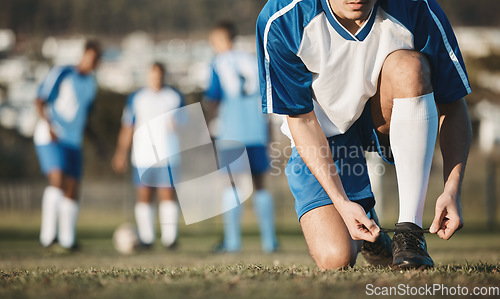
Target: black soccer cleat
x=409, y=247
x=378, y=253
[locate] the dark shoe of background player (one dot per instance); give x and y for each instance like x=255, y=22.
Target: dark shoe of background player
x=409, y=247
x=221, y=249
x=378, y=253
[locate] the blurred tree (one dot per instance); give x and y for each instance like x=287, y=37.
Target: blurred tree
x=175, y=17
x=118, y=17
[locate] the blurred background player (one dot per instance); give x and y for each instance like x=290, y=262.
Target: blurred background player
x=143, y=106
x=64, y=102
x=233, y=93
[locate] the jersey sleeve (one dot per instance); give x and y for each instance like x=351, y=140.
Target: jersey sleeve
x=214, y=90
x=48, y=88
x=285, y=82
x=434, y=37
x=128, y=117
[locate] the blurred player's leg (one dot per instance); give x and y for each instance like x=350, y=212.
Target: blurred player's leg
x=68, y=216
x=264, y=208
x=52, y=197
x=68, y=213
x=169, y=216
x=232, y=223
x=145, y=215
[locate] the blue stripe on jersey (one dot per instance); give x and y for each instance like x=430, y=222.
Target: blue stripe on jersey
x=434, y=37
x=333, y=21
x=361, y=35
x=48, y=89
x=214, y=91
x=235, y=83
x=453, y=51
x=369, y=24
x=284, y=92
x=69, y=96
x=285, y=81
x=128, y=117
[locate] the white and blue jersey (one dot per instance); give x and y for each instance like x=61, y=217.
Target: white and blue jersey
x=235, y=83
x=69, y=96
x=309, y=61
x=146, y=105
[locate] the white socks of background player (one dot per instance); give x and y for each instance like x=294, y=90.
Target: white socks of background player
x=232, y=221
x=264, y=208
x=169, y=218
x=51, y=199
x=68, y=216
x=413, y=132
x=145, y=218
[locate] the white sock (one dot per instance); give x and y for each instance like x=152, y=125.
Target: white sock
x=413, y=131
x=68, y=216
x=52, y=196
x=169, y=217
x=145, y=218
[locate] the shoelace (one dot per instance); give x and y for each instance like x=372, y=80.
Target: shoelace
x=410, y=239
x=394, y=230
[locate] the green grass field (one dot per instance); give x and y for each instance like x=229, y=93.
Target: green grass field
x=470, y=259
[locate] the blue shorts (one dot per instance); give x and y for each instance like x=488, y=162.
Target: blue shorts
x=348, y=154
x=56, y=156
x=157, y=177
x=257, y=156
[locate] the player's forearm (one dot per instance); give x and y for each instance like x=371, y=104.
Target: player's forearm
x=314, y=149
x=455, y=138
x=124, y=140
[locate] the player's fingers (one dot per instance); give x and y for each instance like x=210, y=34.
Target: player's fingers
x=437, y=222
x=372, y=230
x=364, y=234
x=358, y=232
x=441, y=233
x=443, y=227
x=451, y=227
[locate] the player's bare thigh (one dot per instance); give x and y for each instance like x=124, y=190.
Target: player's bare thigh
x=328, y=239
x=67, y=183
x=56, y=178
x=145, y=194
x=405, y=74
x=70, y=187
x=166, y=194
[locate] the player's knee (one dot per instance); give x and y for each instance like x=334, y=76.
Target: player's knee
x=56, y=179
x=409, y=71
x=335, y=259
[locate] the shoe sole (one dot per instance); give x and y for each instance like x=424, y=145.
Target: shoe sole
x=411, y=266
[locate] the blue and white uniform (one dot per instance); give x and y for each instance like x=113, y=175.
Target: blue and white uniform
x=309, y=61
x=69, y=96
x=151, y=108
x=234, y=83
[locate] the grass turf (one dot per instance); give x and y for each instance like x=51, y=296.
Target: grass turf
x=470, y=259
